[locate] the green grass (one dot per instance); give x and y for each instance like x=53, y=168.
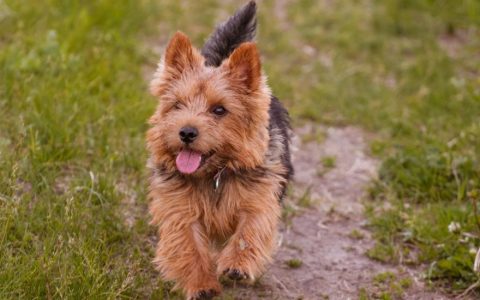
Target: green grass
x=356, y=235
x=294, y=263
x=74, y=105
x=387, y=285
x=329, y=162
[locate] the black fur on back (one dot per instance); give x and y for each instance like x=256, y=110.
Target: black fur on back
x=280, y=124
x=239, y=28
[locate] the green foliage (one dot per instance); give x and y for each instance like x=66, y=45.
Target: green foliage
x=425, y=174
x=329, y=162
x=73, y=107
x=294, y=263
x=355, y=234
x=424, y=234
x=387, y=285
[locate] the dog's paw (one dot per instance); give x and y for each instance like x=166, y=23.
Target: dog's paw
x=236, y=274
x=204, y=294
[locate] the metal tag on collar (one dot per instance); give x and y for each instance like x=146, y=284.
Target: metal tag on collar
x=216, y=179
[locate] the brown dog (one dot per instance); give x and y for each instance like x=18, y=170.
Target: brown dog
x=220, y=159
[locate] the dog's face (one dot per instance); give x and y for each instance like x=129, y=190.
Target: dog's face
x=208, y=117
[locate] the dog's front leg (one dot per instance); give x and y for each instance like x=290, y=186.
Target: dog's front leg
x=183, y=256
x=252, y=244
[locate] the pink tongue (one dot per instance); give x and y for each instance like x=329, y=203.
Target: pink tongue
x=188, y=161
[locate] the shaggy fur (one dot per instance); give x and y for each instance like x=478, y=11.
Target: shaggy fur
x=238, y=29
x=222, y=218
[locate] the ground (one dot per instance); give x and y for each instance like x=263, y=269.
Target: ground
x=384, y=98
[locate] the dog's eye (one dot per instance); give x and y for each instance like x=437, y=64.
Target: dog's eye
x=176, y=105
x=219, y=110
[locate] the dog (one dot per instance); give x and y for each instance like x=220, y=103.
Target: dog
x=220, y=160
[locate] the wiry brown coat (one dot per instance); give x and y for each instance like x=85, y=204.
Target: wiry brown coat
x=206, y=232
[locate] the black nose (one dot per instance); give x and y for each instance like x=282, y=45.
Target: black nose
x=188, y=134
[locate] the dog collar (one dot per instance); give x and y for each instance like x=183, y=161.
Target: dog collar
x=217, y=178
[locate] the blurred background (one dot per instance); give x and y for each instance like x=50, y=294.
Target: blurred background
x=74, y=105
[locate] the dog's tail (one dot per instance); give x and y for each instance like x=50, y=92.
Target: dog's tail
x=227, y=36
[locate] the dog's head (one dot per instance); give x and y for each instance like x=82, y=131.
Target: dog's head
x=208, y=117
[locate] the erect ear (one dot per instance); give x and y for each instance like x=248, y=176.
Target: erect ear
x=244, y=66
x=180, y=55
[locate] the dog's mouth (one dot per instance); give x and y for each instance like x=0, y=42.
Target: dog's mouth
x=188, y=161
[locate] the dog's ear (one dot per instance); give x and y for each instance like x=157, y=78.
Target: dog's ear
x=180, y=55
x=244, y=66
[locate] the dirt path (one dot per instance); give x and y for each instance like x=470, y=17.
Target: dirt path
x=329, y=238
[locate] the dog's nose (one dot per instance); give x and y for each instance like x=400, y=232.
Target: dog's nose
x=188, y=134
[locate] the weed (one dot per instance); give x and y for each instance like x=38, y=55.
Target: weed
x=357, y=235
x=363, y=295
x=384, y=277
x=328, y=162
x=294, y=263
x=305, y=200
x=388, y=285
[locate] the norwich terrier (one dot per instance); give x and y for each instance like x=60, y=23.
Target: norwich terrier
x=220, y=161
